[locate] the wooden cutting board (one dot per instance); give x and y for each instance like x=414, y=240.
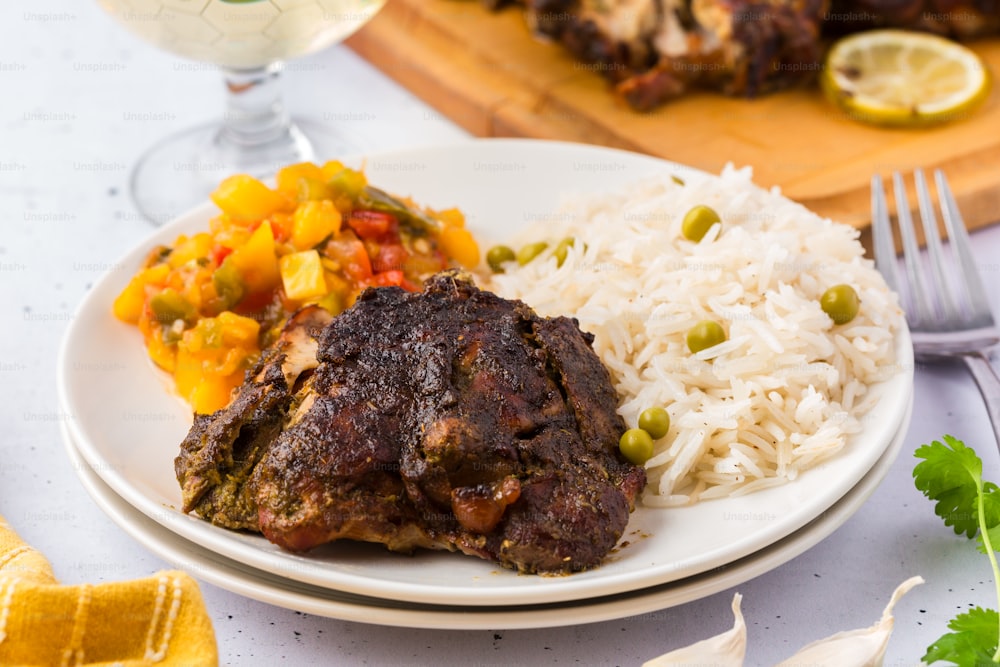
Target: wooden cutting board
x=489, y=74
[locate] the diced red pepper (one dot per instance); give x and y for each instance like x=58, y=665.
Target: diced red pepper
x=350, y=253
x=219, y=253
x=281, y=225
x=391, y=279
x=390, y=257
x=375, y=226
x=387, y=279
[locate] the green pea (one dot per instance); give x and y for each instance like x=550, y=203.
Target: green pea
x=530, y=251
x=841, y=303
x=655, y=421
x=705, y=334
x=636, y=445
x=563, y=249
x=698, y=221
x=498, y=255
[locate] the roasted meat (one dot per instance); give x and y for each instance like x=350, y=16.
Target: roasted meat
x=959, y=19
x=655, y=50
x=446, y=419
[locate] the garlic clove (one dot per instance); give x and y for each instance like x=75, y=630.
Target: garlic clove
x=864, y=647
x=725, y=650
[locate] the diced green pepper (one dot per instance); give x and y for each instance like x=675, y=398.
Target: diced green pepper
x=169, y=306
x=348, y=182
x=377, y=200
x=228, y=284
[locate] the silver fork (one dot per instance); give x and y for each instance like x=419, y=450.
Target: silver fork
x=950, y=317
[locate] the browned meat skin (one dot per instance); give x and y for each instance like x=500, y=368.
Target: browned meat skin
x=449, y=419
x=741, y=48
x=960, y=19
x=737, y=47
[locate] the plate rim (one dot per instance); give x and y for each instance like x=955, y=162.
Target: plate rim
x=262, y=586
x=394, y=589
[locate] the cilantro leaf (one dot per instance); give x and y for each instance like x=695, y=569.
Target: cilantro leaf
x=991, y=515
x=951, y=474
x=972, y=642
x=994, y=535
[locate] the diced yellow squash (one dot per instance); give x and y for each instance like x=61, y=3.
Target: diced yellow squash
x=233, y=238
x=257, y=260
x=196, y=247
x=156, y=275
x=311, y=189
x=187, y=373
x=197, y=279
x=225, y=331
x=288, y=177
x=220, y=223
x=314, y=221
x=213, y=393
x=331, y=169
x=211, y=358
x=201, y=339
x=302, y=275
x=458, y=244
x=204, y=390
x=451, y=217
x=335, y=282
x=128, y=305
x=162, y=354
x=238, y=331
x=245, y=198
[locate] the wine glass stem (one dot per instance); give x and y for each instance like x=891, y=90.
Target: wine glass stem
x=255, y=115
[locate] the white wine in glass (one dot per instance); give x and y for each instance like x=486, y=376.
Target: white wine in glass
x=248, y=40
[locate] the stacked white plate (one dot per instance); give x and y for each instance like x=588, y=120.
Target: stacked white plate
x=126, y=427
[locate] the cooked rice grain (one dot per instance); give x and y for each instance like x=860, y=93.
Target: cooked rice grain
x=787, y=388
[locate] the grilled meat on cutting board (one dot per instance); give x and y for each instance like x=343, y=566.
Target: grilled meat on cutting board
x=448, y=419
x=656, y=50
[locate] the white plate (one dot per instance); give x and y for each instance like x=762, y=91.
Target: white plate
x=128, y=426
x=265, y=587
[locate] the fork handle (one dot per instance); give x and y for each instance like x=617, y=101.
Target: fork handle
x=986, y=377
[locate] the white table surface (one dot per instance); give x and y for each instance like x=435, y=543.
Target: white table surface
x=69, y=81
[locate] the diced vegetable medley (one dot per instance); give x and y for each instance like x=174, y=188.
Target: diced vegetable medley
x=208, y=304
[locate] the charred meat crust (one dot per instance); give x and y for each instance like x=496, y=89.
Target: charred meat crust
x=221, y=450
x=450, y=419
x=652, y=51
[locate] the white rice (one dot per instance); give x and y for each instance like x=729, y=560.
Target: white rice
x=784, y=392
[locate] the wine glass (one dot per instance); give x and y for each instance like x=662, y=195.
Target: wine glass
x=248, y=40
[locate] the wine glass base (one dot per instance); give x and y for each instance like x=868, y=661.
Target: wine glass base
x=181, y=171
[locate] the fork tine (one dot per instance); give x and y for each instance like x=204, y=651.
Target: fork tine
x=923, y=314
x=959, y=235
x=932, y=237
x=884, y=245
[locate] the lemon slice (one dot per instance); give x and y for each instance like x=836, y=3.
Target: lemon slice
x=904, y=79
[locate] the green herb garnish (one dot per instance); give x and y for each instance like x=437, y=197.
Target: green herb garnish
x=951, y=474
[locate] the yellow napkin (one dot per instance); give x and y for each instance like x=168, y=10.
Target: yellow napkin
x=159, y=620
